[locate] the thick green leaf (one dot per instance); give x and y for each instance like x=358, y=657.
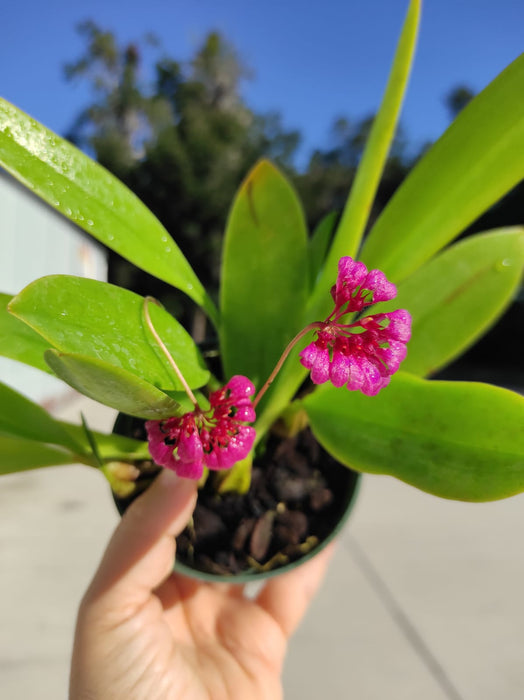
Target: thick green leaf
x=112, y=447
x=457, y=440
x=476, y=161
x=105, y=322
x=358, y=206
x=21, y=418
x=264, y=274
x=18, y=455
x=19, y=342
x=319, y=244
x=112, y=386
x=455, y=297
x=24, y=421
x=94, y=199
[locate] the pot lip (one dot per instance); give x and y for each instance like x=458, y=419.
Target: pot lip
x=253, y=576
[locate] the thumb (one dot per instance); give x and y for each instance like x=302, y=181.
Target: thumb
x=141, y=551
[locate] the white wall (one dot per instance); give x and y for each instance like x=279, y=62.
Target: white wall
x=37, y=241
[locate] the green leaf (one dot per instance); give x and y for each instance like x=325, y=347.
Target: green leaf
x=457, y=440
x=112, y=386
x=17, y=455
x=112, y=447
x=93, y=199
x=455, y=297
x=476, y=161
x=22, y=418
x=19, y=341
x=237, y=479
x=319, y=244
x=355, y=214
x=358, y=206
x=92, y=443
x=264, y=274
x=104, y=322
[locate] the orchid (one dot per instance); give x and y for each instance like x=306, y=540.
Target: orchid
x=299, y=316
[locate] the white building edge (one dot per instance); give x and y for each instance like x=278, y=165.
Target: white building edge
x=37, y=241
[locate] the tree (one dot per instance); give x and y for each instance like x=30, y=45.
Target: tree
x=115, y=127
x=458, y=98
x=325, y=184
x=182, y=142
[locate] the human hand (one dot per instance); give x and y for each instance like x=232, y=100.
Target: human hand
x=145, y=633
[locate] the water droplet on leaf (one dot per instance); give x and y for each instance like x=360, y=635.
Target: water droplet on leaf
x=500, y=265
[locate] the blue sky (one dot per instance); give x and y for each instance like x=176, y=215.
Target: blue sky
x=312, y=60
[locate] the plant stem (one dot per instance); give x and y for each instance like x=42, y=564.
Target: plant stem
x=166, y=352
x=278, y=366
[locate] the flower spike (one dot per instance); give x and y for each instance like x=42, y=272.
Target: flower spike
x=217, y=438
x=362, y=355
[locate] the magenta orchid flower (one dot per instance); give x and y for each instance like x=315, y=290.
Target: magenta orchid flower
x=216, y=439
x=361, y=355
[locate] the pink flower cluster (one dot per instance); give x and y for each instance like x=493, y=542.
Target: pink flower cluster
x=364, y=354
x=216, y=439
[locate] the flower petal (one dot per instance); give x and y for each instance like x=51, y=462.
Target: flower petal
x=190, y=470
x=356, y=374
x=240, y=387
x=245, y=413
x=351, y=274
x=377, y=282
x=372, y=378
x=308, y=355
x=399, y=327
x=161, y=453
x=339, y=369
x=320, y=370
x=393, y=355
x=190, y=447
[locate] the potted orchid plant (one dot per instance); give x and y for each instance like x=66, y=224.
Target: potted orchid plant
x=310, y=333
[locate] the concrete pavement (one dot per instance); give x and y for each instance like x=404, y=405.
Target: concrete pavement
x=423, y=600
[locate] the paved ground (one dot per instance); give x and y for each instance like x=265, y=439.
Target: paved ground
x=424, y=599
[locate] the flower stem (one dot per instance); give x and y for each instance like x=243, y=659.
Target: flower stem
x=166, y=352
x=278, y=366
